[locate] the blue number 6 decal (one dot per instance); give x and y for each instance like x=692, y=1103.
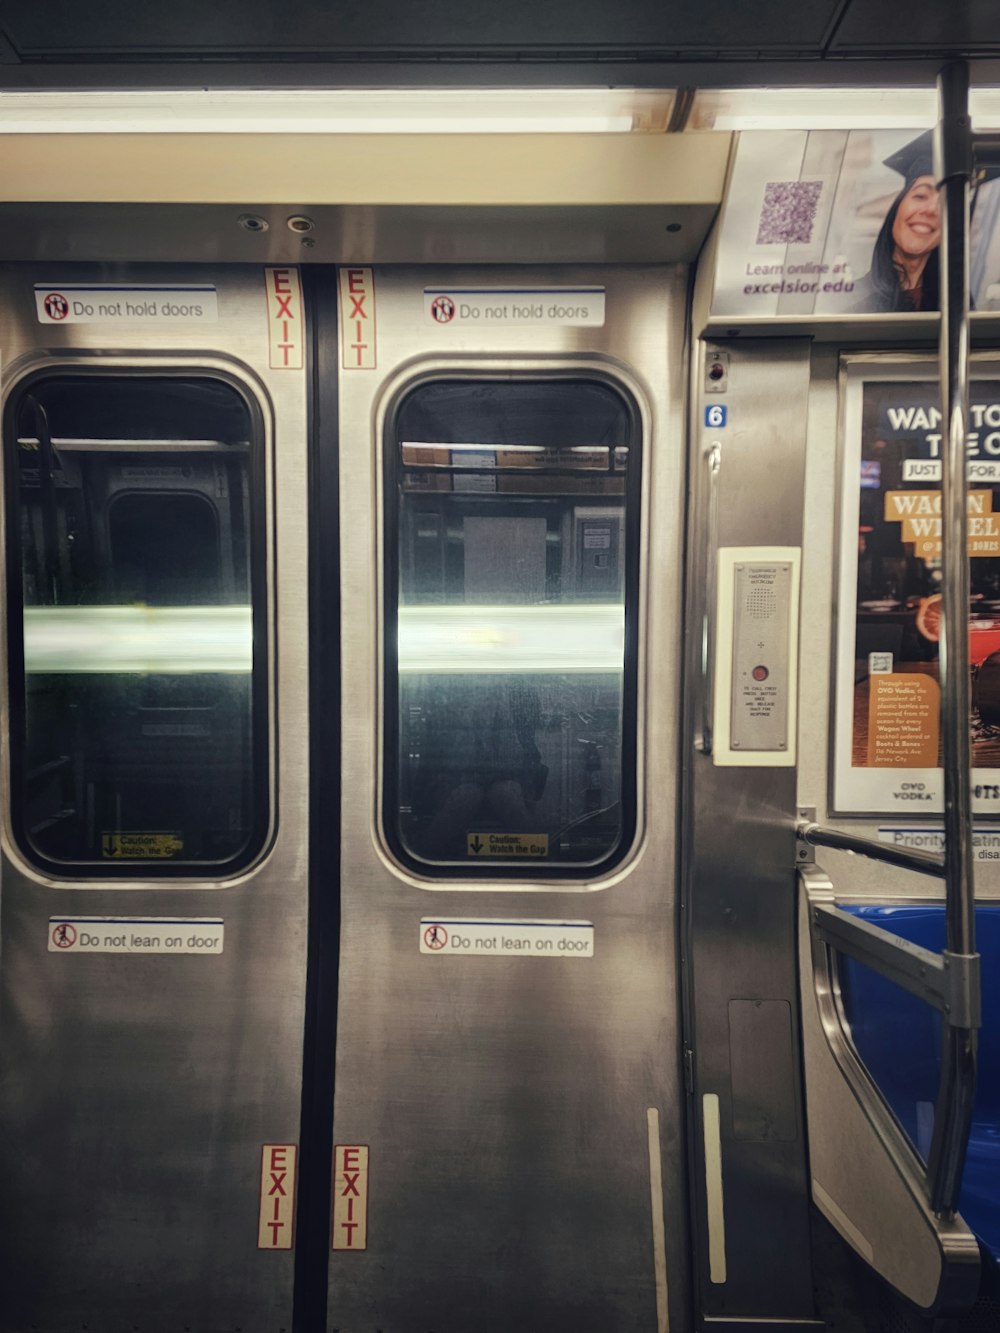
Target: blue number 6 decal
x=715, y=415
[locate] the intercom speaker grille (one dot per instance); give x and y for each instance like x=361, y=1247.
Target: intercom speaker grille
x=760, y=603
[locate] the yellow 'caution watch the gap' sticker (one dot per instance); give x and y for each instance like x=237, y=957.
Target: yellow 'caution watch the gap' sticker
x=507, y=844
x=140, y=846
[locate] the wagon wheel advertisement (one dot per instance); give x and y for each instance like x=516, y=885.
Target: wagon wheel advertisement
x=888, y=741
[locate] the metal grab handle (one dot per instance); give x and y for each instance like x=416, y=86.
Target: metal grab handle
x=712, y=459
x=954, y=166
x=950, y=982
x=946, y=981
x=907, y=858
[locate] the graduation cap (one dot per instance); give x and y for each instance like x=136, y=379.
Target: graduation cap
x=914, y=159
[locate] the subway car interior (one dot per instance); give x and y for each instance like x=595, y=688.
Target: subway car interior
x=501, y=667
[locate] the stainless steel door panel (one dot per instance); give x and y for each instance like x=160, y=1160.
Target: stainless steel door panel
x=137, y=1091
x=752, y=1238
x=505, y=1101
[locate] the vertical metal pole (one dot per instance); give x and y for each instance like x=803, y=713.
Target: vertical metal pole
x=953, y=160
x=713, y=461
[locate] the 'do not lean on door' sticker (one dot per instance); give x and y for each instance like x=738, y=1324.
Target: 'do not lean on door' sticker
x=525, y=939
x=136, y=934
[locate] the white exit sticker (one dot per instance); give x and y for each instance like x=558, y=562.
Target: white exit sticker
x=357, y=318
x=73, y=303
x=136, y=934
x=286, y=336
x=276, y=1220
x=350, y=1196
x=523, y=939
x=573, y=306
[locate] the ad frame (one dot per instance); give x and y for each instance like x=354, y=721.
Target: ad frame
x=858, y=792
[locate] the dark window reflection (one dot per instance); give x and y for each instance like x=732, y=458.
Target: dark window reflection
x=136, y=724
x=516, y=522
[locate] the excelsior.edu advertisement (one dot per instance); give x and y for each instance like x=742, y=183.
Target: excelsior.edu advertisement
x=843, y=223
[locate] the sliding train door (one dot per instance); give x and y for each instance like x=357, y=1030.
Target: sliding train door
x=350, y=793
x=153, y=902
x=509, y=1116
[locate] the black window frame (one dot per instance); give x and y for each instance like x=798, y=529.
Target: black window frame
x=521, y=870
x=260, y=805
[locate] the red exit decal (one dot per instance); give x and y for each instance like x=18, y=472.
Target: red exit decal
x=350, y=1196
x=357, y=318
x=277, y=1196
x=284, y=318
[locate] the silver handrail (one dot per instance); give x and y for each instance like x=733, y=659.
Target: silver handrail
x=907, y=858
x=943, y=981
x=954, y=168
x=712, y=460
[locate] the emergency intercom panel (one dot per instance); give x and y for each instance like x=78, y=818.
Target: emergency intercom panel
x=756, y=656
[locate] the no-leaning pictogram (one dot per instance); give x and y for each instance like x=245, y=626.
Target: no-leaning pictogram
x=56, y=305
x=435, y=937
x=443, y=309
x=63, y=935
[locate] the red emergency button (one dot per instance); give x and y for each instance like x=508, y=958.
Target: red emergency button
x=760, y=673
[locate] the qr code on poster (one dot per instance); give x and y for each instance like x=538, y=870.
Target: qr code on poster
x=788, y=212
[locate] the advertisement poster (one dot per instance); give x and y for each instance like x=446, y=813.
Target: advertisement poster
x=843, y=222
x=887, y=750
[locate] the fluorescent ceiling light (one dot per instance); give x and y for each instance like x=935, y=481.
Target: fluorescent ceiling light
x=338, y=111
x=155, y=640
x=500, y=639
x=832, y=108
x=170, y=640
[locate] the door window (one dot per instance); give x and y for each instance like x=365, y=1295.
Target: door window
x=136, y=618
x=513, y=568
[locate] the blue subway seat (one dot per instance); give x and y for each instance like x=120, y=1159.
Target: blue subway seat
x=899, y=1039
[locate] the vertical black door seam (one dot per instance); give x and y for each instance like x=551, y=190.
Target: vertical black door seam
x=312, y=1242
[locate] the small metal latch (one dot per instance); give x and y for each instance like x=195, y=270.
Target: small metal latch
x=805, y=852
x=962, y=1000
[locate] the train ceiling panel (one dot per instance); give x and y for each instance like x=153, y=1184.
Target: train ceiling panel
x=391, y=43
x=113, y=30
x=915, y=26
